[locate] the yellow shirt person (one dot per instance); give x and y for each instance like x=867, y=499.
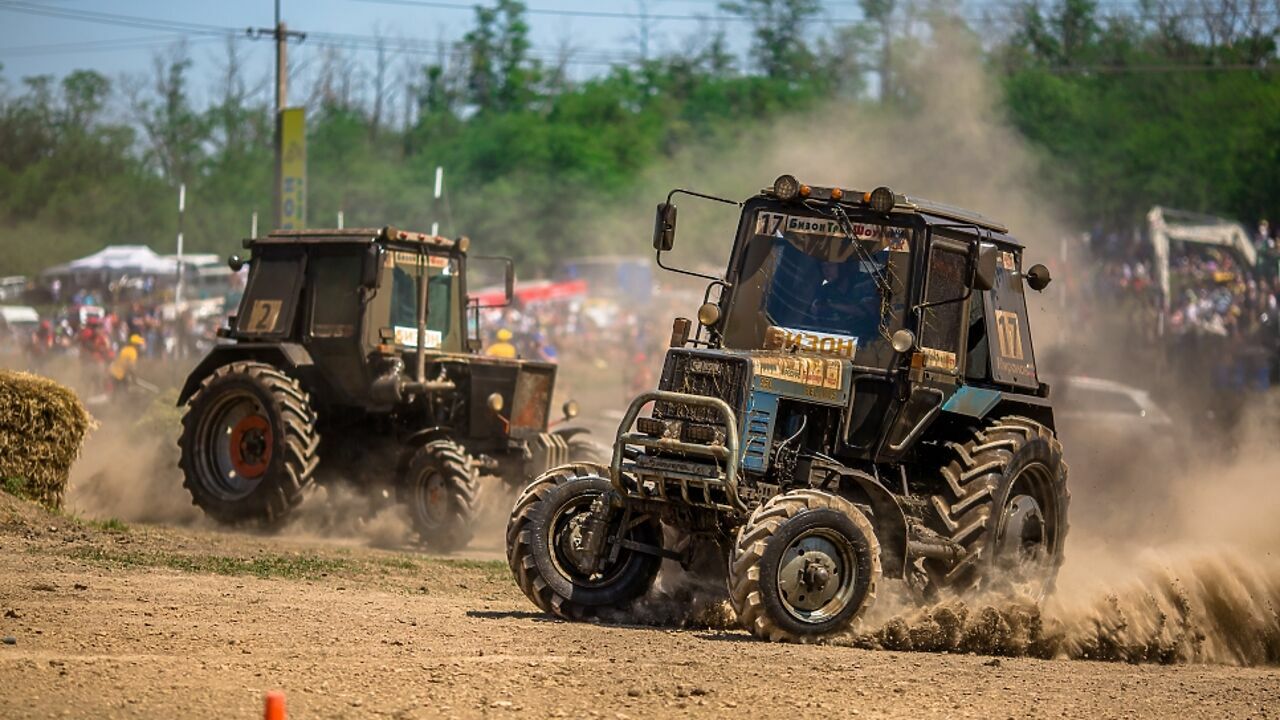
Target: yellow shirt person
x=503, y=348
x=127, y=359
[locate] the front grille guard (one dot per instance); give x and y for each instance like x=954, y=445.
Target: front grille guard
x=725, y=455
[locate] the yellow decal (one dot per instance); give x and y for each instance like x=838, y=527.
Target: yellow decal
x=939, y=359
x=818, y=372
x=293, y=169
x=814, y=342
x=264, y=315
x=1010, y=334
x=401, y=257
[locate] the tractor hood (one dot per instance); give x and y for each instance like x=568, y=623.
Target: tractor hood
x=736, y=375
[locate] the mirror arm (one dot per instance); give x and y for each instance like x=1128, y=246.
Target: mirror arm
x=685, y=272
x=692, y=193
x=925, y=306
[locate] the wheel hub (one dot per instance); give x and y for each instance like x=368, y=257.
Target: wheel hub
x=573, y=544
x=1024, y=528
x=813, y=573
x=250, y=445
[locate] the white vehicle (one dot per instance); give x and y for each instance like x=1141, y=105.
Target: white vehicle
x=17, y=322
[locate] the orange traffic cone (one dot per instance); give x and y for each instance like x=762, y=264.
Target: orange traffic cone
x=275, y=706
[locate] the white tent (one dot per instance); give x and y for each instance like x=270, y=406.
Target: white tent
x=117, y=260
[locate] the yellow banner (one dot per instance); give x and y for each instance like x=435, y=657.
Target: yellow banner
x=293, y=170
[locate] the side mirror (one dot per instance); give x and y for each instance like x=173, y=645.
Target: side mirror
x=664, y=227
x=235, y=262
x=1038, y=277
x=372, y=264
x=983, y=277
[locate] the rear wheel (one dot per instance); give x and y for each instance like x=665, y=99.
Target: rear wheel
x=248, y=444
x=805, y=566
x=546, y=552
x=1004, y=499
x=441, y=491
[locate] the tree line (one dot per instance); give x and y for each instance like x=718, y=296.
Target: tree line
x=1168, y=101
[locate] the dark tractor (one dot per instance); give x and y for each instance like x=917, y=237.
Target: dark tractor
x=860, y=402
x=356, y=351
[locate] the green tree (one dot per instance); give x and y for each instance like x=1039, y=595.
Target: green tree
x=778, y=29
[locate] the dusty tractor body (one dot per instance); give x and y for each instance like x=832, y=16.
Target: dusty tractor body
x=859, y=402
x=354, y=354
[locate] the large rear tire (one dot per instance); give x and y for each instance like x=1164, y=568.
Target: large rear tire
x=544, y=551
x=248, y=444
x=1004, y=499
x=442, y=493
x=805, y=566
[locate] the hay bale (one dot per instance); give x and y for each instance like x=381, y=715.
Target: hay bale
x=42, y=428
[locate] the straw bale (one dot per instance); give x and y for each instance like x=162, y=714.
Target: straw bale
x=42, y=428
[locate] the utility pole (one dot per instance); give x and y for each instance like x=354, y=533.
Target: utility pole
x=281, y=34
x=435, y=225
x=182, y=208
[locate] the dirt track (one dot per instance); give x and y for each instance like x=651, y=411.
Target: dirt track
x=150, y=622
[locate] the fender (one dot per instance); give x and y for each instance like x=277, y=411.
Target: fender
x=891, y=523
x=570, y=432
x=978, y=403
x=417, y=440
x=287, y=356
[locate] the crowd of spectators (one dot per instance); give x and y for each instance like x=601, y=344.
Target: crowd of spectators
x=1220, y=318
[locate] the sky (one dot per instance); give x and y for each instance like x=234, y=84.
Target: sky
x=32, y=44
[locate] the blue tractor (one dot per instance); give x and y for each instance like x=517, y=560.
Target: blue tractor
x=860, y=401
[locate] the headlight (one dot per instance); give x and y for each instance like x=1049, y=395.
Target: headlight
x=570, y=409
x=495, y=402
x=786, y=187
x=881, y=199
x=708, y=314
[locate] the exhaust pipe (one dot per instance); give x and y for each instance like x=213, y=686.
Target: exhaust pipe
x=420, y=372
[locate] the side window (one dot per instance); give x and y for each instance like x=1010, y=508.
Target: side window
x=942, y=326
x=272, y=292
x=335, y=303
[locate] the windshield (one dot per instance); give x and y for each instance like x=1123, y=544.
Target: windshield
x=801, y=275
x=442, y=274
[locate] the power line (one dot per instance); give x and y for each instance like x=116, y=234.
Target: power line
x=599, y=14
x=322, y=39
x=100, y=45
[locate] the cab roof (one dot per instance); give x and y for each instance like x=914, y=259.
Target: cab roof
x=357, y=236
x=933, y=213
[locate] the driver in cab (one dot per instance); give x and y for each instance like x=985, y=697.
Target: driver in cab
x=847, y=294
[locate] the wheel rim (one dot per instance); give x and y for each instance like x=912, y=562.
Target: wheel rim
x=1024, y=542
x=431, y=498
x=817, y=575
x=567, y=535
x=238, y=446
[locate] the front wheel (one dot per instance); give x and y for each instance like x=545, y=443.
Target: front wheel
x=441, y=491
x=805, y=566
x=546, y=544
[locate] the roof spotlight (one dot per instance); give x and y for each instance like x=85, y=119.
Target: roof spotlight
x=882, y=200
x=786, y=187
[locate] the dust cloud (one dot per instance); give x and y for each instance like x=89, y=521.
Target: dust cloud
x=1167, y=561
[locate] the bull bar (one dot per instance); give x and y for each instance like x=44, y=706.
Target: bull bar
x=726, y=454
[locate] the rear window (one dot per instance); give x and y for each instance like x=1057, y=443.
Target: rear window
x=269, y=299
